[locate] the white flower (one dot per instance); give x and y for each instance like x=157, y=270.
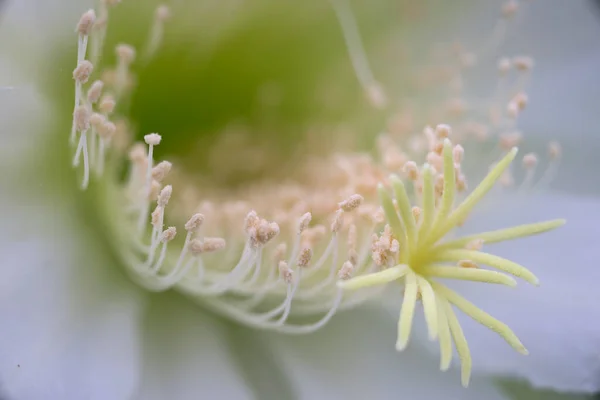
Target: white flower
x=82, y=265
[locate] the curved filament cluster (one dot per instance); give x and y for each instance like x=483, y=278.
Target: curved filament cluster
x=255, y=280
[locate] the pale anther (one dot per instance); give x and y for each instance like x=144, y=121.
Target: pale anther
x=458, y=153
x=137, y=153
x=520, y=99
x=81, y=116
x=523, y=63
x=126, y=53
x=107, y=104
x=411, y=170
x=512, y=110
x=165, y=195
x=155, y=217
x=95, y=91
x=84, y=26
x=305, y=257
x=154, y=190
x=554, y=150
x=83, y=71
x=442, y=131
x=303, y=222
x=161, y=170
x=152, y=139
x=96, y=120
x=196, y=246
x=338, y=221
x=285, y=272
x=351, y=203
x=504, y=65
x=106, y=130
x=530, y=160
x=194, y=222
x=163, y=13
x=168, y=234
x=211, y=244
x=509, y=9
x=346, y=271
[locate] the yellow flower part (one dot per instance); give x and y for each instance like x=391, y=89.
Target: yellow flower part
x=423, y=256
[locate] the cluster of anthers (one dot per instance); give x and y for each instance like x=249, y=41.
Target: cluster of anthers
x=290, y=255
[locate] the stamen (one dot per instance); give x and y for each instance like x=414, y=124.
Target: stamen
x=151, y=140
x=357, y=53
x=210, y=245
x=411, y=170
x=305, y=257
x=107, y=105
x=351, y=203
x=346, y=271
x=81, y=118
x=167, y=236
x=106, y=131
x=161, y=15
x=304, y=222
x=194, y=223
x=161, y=170
x=554, y=155
x=81, y=75
x=285, y=272
x=96, y=121
x=84, y=28
x=530, y=162
x=95, y=91
x=125, y=57
x=509, y=8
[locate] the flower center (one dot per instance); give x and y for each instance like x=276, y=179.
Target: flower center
x=242, y=98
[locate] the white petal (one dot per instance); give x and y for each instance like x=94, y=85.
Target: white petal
x=70, y=318
x=354, y=358
x=38, y=25
x=19, y=103
x=70, y=322
x=559, y=322
x=186, y=354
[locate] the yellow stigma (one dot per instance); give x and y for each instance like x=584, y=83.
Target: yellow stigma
x=423, y=257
